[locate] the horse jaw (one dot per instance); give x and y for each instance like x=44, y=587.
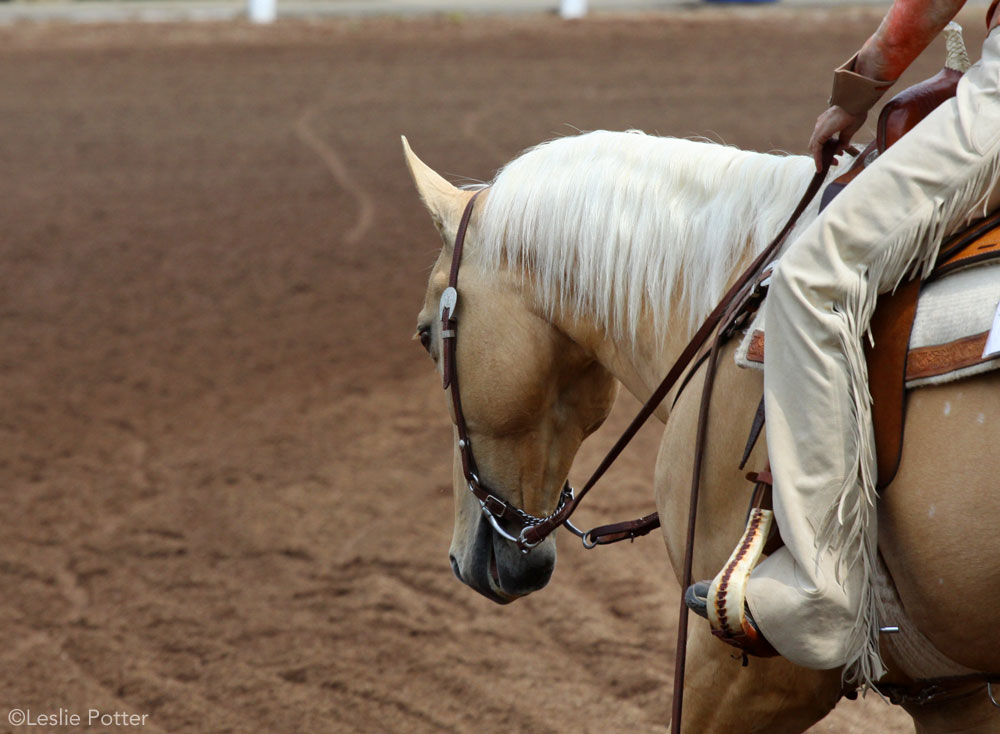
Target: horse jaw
x=444, y=202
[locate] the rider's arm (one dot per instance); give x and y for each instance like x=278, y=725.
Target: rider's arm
x=907, y=29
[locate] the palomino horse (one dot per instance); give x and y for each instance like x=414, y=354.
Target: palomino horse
x=587, y=263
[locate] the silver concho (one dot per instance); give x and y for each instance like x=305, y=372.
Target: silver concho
x=449, y=299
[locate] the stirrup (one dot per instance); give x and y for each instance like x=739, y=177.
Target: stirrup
x=727, y=594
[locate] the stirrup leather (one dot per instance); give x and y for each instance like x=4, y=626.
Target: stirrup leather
x=727, y=594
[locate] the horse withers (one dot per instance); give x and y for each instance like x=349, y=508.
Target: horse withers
x=588, y=263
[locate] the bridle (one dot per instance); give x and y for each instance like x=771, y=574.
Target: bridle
x=530, y=530
x=494, y=507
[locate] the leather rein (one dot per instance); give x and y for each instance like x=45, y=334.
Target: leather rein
x=527, y=530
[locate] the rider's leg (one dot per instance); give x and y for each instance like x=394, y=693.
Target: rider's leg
x=812, y=599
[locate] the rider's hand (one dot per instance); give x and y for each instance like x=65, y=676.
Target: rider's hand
x=836, y=121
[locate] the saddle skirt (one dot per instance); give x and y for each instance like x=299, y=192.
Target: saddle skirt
x=953, y=318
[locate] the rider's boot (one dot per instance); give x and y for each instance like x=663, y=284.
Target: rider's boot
x=696, y=599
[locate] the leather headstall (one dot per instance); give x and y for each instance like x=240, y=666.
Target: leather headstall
x=494, y=507
x=528, y=530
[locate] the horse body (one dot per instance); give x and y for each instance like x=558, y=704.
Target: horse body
x=554, y=314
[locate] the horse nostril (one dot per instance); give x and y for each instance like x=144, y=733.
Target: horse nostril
x=454, y=568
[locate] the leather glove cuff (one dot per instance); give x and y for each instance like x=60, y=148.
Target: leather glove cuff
x=855, y=93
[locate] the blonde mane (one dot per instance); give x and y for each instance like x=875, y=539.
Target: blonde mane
x=608, y=224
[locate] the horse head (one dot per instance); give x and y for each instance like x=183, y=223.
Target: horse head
x=530, y=395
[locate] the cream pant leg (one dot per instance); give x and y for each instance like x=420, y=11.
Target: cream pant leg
x=812, y=599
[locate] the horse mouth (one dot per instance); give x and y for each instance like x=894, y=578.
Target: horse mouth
x=499, y=571
x=493, y=576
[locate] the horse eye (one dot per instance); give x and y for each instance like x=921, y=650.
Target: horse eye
x=424, y=333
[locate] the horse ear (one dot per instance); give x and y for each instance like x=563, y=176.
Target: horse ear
x=444, y=201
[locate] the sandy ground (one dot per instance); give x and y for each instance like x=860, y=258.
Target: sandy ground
x=224, y=465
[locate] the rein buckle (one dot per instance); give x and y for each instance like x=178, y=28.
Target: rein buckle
x=495, y=506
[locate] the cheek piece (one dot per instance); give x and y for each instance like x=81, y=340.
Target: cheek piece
x=527, y=530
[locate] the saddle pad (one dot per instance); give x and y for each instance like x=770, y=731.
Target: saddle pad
x=954, y=315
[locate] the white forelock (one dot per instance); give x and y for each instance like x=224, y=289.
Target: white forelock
x=609, y=223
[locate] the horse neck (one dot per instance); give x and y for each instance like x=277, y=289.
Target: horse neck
x=641, y=360
x=642, y=352
x=638, y=363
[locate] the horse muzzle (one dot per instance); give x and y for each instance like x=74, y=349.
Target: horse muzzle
x=495, y=567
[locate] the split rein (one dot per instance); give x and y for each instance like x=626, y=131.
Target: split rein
x=529, y=530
